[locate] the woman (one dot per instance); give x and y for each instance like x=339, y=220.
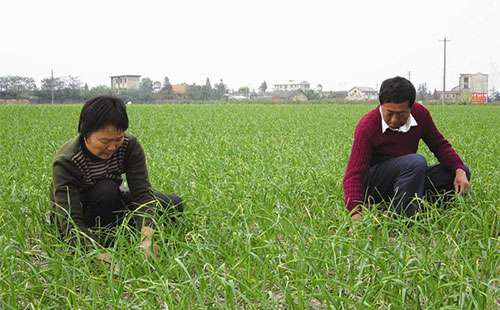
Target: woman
x=87, y=175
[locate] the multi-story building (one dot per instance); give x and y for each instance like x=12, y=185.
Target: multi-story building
x=156, y=86
x=127, y=81
x=474, y=87
x=471, y=87
x=291, y=86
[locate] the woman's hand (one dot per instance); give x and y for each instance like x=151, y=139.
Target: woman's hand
x=147, y=235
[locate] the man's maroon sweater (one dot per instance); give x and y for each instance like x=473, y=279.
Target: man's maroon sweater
x=371, y=146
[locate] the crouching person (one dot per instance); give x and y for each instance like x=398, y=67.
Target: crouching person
x=383, y=165
x=87, y=191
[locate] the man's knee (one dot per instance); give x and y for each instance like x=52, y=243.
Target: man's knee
x=417, y=160
x=413, y=162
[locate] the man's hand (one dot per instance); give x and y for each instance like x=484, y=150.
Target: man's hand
x=461, y=183
x=355, y=217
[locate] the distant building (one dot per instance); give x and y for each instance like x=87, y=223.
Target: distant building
x=341, y=94
x=237, y=97
x=330, y=94
x=180, y=89
x=474, y=83
x=471, y=87
x=15, y=101
x=450, y=95
x=474, y=87
x=156, y=86
x=292, y=86
x=362, y=93
x=125, y=81
x=295, y=95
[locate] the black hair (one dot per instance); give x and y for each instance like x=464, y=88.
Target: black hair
x=102, y=111
x=397, y=90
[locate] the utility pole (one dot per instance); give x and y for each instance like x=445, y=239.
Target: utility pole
x=409, y=75
x=444, y=69
x=52, y=85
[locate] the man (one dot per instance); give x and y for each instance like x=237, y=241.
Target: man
x=384, y=166
x=87, y=174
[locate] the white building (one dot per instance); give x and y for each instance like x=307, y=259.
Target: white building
x=474, y=83
x=362, y=93
x=292, y=85
x=471, y=88
x=156, y=86
x=126, y=81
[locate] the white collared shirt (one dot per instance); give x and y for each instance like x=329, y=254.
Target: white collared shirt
x=410, y=122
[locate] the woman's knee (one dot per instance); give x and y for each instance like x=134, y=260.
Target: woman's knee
x=105, y=194
x=170, y=202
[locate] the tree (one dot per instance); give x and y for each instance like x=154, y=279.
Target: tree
x=98, y=90
x=66, y=88
x=263, y=87
x=495, y=96
x=207, y=90
x=72, y=88
x=166, y=90
x=145, y=89
x=311, y=94
x=146, y=85
x=245, y=91
x=195, y=92
x=16, y=87
x=47, y=85
x=436, y=95
x=220, y=90
x=422, y=92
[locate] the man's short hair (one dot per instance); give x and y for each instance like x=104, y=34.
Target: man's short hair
x=397, y=90
x=100, y=112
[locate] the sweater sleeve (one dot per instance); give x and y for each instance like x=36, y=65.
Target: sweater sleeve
x=137, y=174
x=66, y=200
x=357, y=166
x=439, y=146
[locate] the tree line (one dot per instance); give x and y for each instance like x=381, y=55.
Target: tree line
x=66, y=88
x=72, y=89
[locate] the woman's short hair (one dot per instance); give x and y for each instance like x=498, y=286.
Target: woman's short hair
x=100, y=112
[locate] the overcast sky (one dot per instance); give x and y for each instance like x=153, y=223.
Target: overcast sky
x=339, y=44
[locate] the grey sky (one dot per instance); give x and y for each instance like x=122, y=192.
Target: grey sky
x=339, y=44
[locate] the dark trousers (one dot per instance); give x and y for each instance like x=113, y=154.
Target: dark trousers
x=105, y=204
x=402, y=179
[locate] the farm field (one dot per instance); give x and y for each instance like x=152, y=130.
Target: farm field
x=264, y=225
